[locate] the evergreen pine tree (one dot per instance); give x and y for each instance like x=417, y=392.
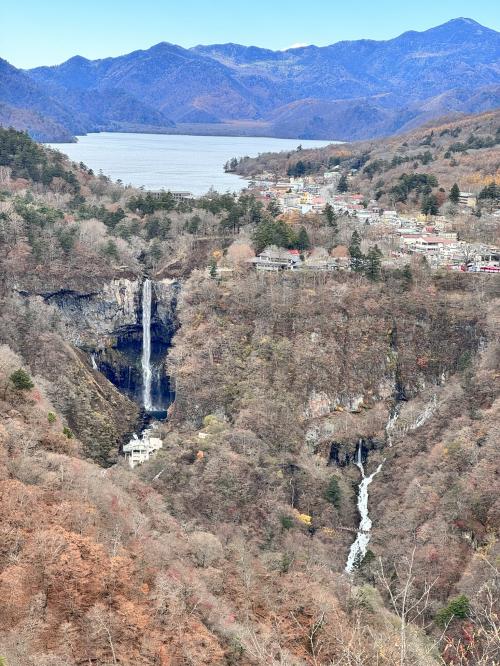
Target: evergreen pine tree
x=342, y=185
x=454, y=193
x=110, y=250
x=331, y=217
x=273, y=208
x=430, y=205
x=21, y=380
x=373, y=263
x=303, y=242
x=332, y=493
x=357, y=257
x=407, y=276
x=272, y=232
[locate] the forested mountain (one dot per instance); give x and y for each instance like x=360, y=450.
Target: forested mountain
x=230, y=546
x=463, y=151
x=24, y=104
x=349, y=90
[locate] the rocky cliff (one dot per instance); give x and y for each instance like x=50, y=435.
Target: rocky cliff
x=96, y=372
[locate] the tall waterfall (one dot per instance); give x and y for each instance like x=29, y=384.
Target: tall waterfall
x=360, y=545
x=146, y=345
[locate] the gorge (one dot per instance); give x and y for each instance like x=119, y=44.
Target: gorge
x=133, y=356
x=125, y=328
x=230, y=544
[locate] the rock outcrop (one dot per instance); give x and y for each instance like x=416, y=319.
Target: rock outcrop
x=93, y=320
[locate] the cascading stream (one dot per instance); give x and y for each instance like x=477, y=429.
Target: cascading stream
x=360, y=545
x=146, y=345
x=391, y=423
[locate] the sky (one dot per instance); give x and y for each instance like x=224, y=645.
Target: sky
x=47, y=32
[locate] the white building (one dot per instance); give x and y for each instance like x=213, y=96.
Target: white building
x=467, y=199
x=277, y=259
x=138, y=450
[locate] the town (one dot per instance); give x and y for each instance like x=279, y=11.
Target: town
x=398, y=235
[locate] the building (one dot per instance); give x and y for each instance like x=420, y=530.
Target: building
x=433, y=245
x=316, y=262
x=467, y=199
x=178, y=195
x=138, y=450
x=277, y=259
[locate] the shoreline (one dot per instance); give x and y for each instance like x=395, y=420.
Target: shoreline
x=184, y=130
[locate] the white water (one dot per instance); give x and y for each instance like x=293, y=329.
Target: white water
x=92, y=360
x=391, y=423
x=360, y=545
x=146, y=345
x=425, y=415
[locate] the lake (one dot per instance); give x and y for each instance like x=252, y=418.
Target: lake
x=172, y=161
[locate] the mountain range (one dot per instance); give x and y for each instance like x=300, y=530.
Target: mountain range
x=349, y=90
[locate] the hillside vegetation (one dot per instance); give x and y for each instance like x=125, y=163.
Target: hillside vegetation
x=453, y=150
x=229, y=546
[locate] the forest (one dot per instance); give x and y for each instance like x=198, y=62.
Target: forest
x=230, y=545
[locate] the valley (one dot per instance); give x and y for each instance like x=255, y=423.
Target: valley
x=328, y=437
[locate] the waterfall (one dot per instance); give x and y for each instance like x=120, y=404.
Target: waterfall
x=359, y=547
x=391, y=423
x=92, y=360
x=426, y=414
x=146, y=345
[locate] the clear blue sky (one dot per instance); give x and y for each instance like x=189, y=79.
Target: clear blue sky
x=46, y=32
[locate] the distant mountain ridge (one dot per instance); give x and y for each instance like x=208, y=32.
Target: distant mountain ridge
x=348, y=90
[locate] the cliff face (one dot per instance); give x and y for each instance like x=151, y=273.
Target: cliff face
x=299, y=372
x=93, y=357
x=93, y=319
x=118, y=354
x=108, y=325
x=97, y=319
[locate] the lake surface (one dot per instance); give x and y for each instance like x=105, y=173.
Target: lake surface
x=172, y=161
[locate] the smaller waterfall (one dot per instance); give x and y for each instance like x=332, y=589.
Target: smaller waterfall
x=93, y=362
x=426, y=414
x=391, y=423
x=360, y=545
x=146, y=345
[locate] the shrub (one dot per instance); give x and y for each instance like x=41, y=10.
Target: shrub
x=67, y=432
x=458, y=607
x=21, y=380
x=367, y=559
x=51, y=417
x=286, y=563
x=332, y=493
x=286, y=522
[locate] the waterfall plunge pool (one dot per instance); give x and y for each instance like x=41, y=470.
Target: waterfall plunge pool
x=135, y=363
